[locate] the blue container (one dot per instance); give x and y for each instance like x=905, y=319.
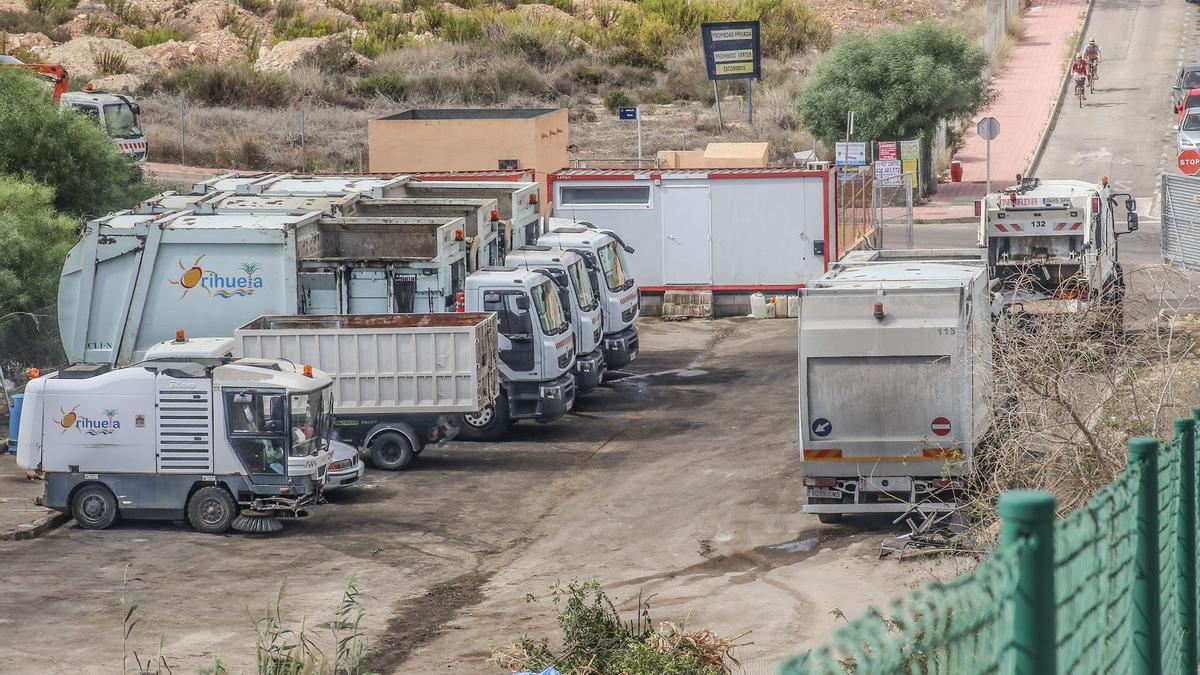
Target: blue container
x=14, y=423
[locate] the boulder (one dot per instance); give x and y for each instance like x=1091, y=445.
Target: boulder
x=119, y=84
x=330, y=53
x=30, y=41
x=79, y=57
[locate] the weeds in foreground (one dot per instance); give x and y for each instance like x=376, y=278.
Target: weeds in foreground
x=279, y=649
x=596, y=640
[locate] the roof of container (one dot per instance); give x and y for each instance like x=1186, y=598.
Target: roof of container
x=127, y=218
x=264, y=221
x=712, y=174
x=901, y=275
x=469, y=114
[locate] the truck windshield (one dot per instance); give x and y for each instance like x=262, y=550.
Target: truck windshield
x=613, y=265
x=309, y=421
x=549, y=309
x=584, y=293
x=121, y=121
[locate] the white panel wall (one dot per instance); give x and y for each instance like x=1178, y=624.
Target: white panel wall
x=638, y=226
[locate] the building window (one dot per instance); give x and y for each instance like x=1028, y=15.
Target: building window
x=632, y=195
x=510, y=164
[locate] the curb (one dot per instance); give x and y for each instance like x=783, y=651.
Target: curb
x=1040, y=147
x=35, y=529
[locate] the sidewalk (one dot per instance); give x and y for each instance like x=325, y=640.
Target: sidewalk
x=20, y=517
x=1028, y=87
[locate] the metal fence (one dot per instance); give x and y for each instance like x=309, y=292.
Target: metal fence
x=1181, y=220
x=856, y=212
x=27, y=340
x=1109, y=589
x=894, y=211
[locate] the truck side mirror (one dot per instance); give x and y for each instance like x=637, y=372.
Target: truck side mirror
x=1131, y=221
x=1130, y=204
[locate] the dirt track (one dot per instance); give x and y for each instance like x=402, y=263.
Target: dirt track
x=680, y=480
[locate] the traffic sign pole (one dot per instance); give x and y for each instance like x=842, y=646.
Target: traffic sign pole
x=989, y=168
x=750, y=99
x=639, y=122
x=988, y=129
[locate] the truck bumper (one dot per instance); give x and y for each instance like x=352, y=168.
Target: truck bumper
x=620, y=349
x=589, y=371
x=542, y=401
x=880, y=494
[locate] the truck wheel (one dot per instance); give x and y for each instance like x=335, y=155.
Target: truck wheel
x=830, y=518
x=211, y=510
x=391, y=451
x=94, y=507
x=488, y=424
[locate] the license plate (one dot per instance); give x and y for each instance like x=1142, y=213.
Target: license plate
x=824, y=493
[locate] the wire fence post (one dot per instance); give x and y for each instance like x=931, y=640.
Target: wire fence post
x=1027, y=520
x=1185, y=550
x=1147, y=638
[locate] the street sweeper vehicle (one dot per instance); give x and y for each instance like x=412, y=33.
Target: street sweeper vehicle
x=220, y=443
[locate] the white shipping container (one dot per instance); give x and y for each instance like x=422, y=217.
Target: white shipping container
x=895, y=373
x=388, y=363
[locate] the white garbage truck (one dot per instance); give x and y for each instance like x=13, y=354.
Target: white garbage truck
x=620, y=299
x=220, y=443
x=895, y=380
x=1052, y=244
x=579, y=299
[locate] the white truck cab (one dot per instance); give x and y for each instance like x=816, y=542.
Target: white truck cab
x=579, y=298
x=220, y=443
x=116, y=114
x=604, y=254
x=537, y=349
x=1052, y=244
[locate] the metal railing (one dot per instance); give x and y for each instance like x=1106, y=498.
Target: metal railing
x=1109, y=589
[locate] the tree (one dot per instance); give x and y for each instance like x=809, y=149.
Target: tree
x=899, y=83
x=63, y=150
x=34, y=241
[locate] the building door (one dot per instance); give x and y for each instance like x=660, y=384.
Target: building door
x=687, y=234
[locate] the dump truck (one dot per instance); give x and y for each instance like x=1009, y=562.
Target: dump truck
x=518, y=203
x=1052, y=244
x=398, y=379
x=133, y=279
x=221, y=443
x=895, y=380
x=579, y=299
x=620, y=299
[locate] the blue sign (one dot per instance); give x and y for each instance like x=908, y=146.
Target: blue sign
x=822, y=427
x=627, y=113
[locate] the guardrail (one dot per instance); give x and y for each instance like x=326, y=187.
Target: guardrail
x=1109, y=589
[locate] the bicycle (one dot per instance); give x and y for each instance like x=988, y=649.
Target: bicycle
x=1093, y=74
x=1079, y=88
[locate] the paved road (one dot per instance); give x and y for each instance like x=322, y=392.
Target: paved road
x=1123, y=131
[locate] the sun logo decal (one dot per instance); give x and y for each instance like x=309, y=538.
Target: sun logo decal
x=191, y=277
x=68, y=418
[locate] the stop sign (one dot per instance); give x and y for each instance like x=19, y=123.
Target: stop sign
x=1189, y=161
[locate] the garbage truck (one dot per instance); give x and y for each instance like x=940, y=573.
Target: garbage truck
x=620, y=299
x=220, y=443
x=398, y=379
x=1052, y=244
x=895, y=380
x=580, y=301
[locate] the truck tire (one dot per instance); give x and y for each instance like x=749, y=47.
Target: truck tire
x=488, y=424
x=830, y=518
x=94, y=507
x=211, y=510
x=391, y=451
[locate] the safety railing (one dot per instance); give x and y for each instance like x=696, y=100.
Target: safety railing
x=1109, y=589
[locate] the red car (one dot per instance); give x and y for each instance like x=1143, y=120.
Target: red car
x=1191, y=100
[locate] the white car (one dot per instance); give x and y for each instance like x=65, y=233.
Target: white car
x=347, y=467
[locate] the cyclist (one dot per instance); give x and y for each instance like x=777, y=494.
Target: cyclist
x=1079, y=70
x=1092, y=54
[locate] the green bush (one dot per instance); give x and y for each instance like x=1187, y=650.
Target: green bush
x=286, y=9
x=382, y=33
x=299, y=26
x=63, y=150
x=34, y=22
x=655, y=96
x=125, y=11
x=900, y=83
x=156, y=35
x=392, y=85
x=616, y=98
x=235, y=83
x=257, y=7
x=453, y=27
x=34, y=240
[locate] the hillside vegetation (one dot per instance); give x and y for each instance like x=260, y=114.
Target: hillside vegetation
x=238, y=72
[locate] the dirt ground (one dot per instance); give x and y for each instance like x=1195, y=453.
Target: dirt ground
x=680, y=480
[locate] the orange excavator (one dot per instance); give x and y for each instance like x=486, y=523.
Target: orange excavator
x=55, y=74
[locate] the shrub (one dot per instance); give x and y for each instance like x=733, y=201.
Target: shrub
x=63, y=150
x=235, y=83
x=393, y=85
x=453, y=27
x=33, y=22
x=110, y=62
x=655, y=96
x=125, y=11
x=54, y=11
x=34, y=240
x=286, y=9
x=257, y=7
x=616, y=98
x=156, y=35
x=383, y=33
x=300, y=26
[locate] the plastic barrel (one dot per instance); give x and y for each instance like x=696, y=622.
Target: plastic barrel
x=956, y=171
x=14, y=422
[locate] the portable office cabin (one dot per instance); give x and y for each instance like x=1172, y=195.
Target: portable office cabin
x=732, y=231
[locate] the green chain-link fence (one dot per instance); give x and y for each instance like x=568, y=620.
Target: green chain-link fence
x=1109, y=589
